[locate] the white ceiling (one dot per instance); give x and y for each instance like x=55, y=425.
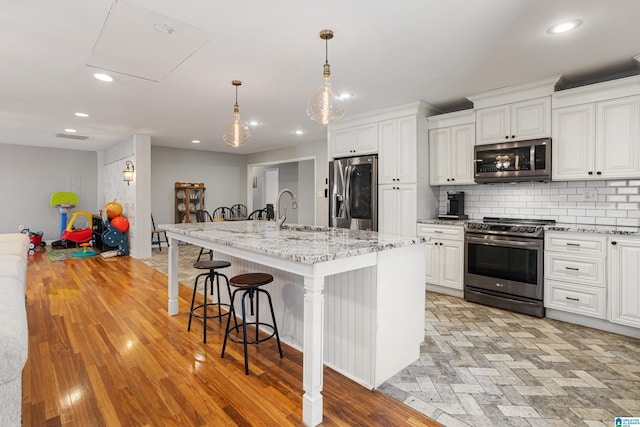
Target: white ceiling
x=177, y=87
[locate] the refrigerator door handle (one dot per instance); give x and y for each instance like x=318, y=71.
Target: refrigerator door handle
x=347, y=192
x=340, y=202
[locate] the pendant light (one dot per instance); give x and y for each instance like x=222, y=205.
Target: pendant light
x=325, y=106
x=236, y=134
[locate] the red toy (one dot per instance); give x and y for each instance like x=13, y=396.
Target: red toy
x=79, y=236
x=35, y=240
x=120, y=223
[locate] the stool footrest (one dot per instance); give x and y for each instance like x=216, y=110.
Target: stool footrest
x=238, y=329
x=200, y=307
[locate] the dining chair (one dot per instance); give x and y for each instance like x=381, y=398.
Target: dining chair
x=204, y=216
x=239, y=211
x=221, y=213
x=258, y=214
x=157, y=233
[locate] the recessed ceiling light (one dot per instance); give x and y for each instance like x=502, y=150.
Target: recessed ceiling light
x=299, y=132
x=71, y=130
x=563, y=27
x=82, y=115
x=103, y=77
x=253, y=123
x=196, y=141
x=346, y=95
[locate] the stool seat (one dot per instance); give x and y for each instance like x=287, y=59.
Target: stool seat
x=210, y=276
x=211, y=264
x=249, y=285
x=251, y=280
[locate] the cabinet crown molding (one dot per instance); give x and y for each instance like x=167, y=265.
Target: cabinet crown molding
x=617, y=88
x=452, y=119
x=419, y=108
x=508, y=95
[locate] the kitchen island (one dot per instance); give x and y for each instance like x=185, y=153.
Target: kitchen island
x=353, y=300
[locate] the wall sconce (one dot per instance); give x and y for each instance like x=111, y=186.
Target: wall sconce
x=128, y=172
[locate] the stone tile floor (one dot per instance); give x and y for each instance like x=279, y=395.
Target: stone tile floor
x=481, y=366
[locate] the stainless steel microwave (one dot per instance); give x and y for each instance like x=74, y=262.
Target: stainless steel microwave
x=528, y=160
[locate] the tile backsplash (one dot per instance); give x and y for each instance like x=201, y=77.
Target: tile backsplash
x=578, y=202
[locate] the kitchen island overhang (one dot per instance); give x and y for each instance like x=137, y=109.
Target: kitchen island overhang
x=372, y=324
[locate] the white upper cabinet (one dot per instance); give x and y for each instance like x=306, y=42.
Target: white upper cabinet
x=354, y=141
x=451, y=140
x=397, y=151
x=618, y=138
x=573, y=142
x=514, y=113
x=599, y=139
x=451, y=155
x=512, y=122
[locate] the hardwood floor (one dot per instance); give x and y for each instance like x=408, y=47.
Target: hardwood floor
x=104, y=352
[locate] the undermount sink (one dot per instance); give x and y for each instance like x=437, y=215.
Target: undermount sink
x=306, y=228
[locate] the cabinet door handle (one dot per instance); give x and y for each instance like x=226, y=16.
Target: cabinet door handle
x=513, y=136
x=573, y=244
x=573, y=299
x=506, y=137
x=598, y=173
x=438, y=231
x=614, y=243
x=572, y=268
x=590, y=172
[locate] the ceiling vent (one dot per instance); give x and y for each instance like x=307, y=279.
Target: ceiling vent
x=66, y=135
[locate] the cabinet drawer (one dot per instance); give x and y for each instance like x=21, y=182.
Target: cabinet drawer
x=441, y=231
x=585, y=300
x=575, y=243
x=574, y=268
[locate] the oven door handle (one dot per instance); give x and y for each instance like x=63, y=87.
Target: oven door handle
x=492, y=240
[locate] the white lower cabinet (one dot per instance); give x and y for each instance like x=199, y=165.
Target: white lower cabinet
x=574, y=273
x=624, y=276
x=445, y=252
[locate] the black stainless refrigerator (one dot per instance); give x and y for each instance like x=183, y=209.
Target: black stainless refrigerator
x=353, y=198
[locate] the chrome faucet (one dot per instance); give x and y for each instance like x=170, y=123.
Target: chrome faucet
x=294, y=204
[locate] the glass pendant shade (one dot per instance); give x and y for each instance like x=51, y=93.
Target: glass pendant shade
x=325, y=106
x=236, y=134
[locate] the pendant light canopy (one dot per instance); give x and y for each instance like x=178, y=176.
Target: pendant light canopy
x=325, y=106
x=236, y=134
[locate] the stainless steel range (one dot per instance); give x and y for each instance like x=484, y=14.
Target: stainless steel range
x=504, y=263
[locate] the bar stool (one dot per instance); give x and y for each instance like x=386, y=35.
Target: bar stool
x=249, y=284
x=209, y=277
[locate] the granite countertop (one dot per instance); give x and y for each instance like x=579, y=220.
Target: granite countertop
x=569, y=227
x=303, y=244
x=598, y=229
x=437, y=221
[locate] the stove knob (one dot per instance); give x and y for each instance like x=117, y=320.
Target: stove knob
x=531, y=229
x=485, y=226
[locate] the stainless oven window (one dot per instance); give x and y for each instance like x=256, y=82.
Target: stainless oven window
x=503, y=262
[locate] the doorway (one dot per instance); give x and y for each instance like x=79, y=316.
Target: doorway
x=298, y=175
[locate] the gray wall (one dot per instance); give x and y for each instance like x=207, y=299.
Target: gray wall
x=224, y=176
x=30, y=175
x=318, y=150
